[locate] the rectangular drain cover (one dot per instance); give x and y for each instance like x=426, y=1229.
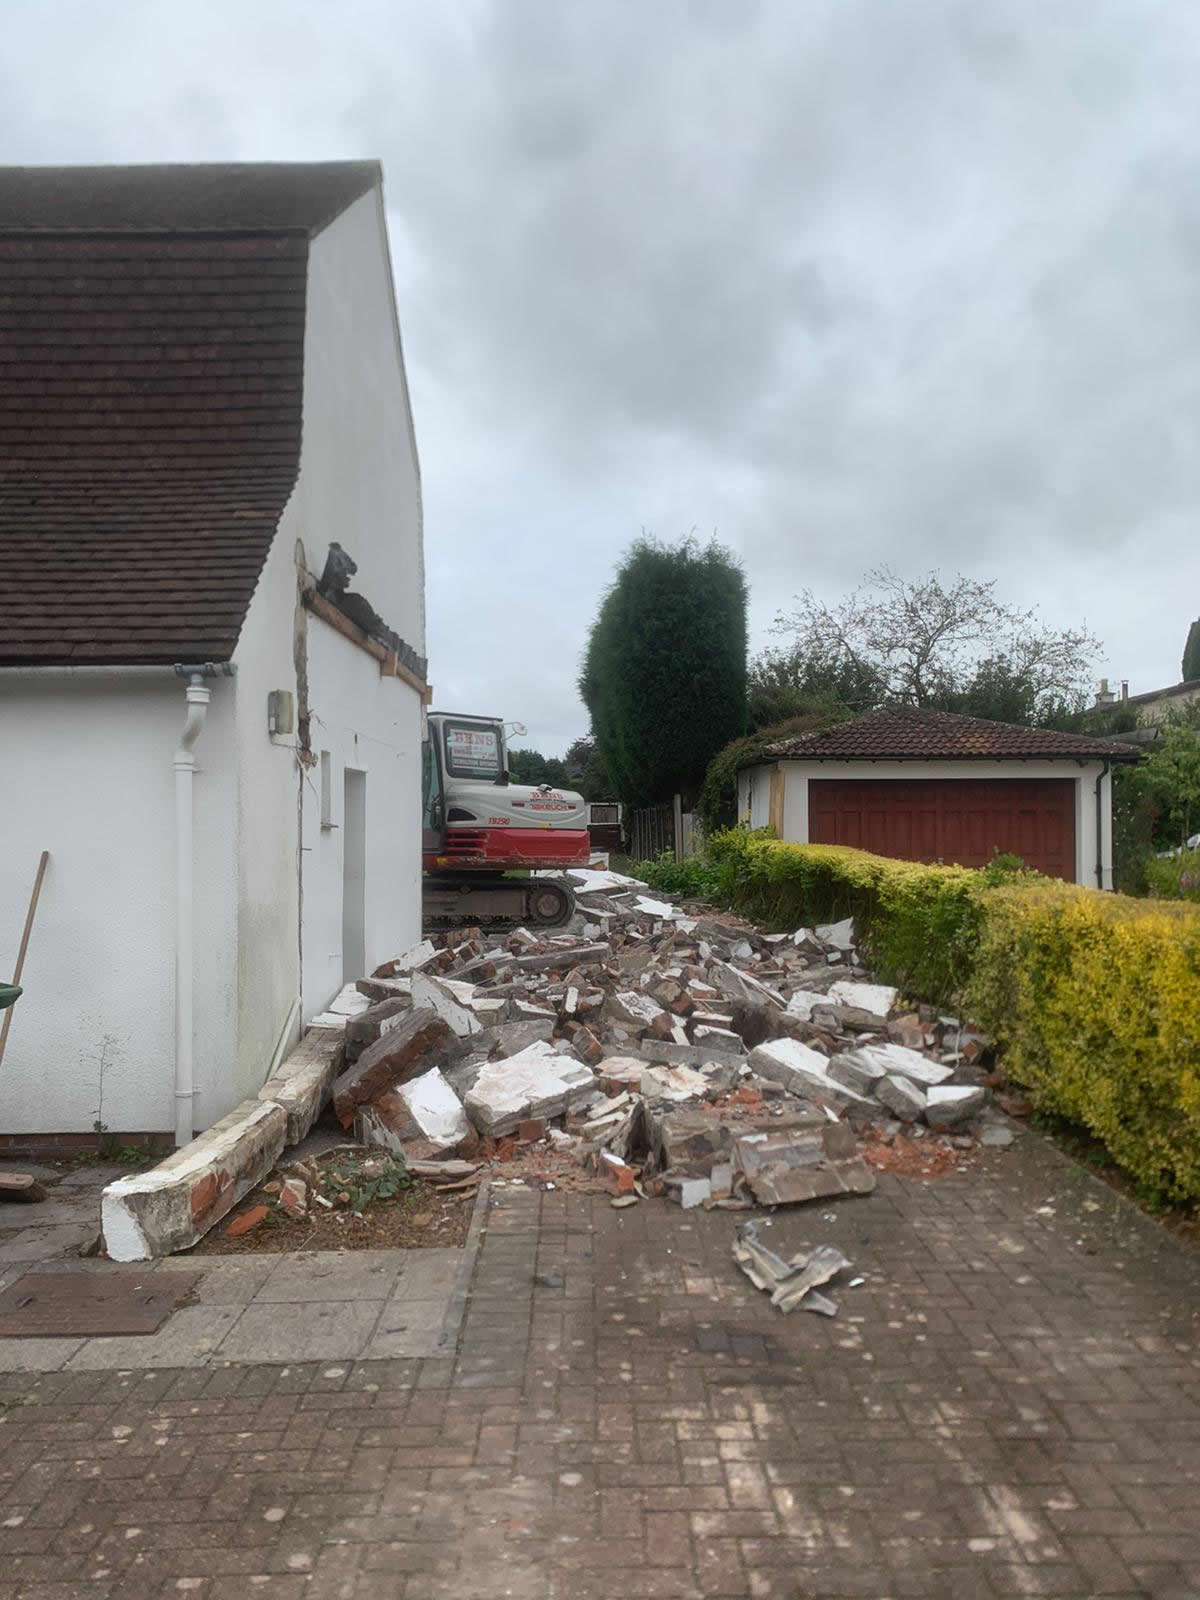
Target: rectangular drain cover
x=56, y=1305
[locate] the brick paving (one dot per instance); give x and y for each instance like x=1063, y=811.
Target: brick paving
x=1010, y=1405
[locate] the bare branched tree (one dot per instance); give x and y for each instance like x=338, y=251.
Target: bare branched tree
x=928, y=643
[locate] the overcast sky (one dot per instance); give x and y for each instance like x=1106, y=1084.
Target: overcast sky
x=841, y=281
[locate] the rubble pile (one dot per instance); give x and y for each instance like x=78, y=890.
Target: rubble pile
x=659, y=1052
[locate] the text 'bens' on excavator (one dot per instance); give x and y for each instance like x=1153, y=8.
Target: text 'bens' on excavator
x=478, y=825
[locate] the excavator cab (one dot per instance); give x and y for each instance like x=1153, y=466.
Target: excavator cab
x=478, y=826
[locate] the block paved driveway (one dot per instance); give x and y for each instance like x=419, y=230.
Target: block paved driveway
x=1010, y=1405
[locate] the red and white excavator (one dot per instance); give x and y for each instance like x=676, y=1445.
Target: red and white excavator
x=478, y=825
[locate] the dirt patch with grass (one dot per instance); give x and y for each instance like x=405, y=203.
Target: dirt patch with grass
x=352, y=1199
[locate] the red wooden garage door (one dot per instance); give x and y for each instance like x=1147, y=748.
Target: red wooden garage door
x=950, y=819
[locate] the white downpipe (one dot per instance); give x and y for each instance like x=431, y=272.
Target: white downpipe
x=185, y=766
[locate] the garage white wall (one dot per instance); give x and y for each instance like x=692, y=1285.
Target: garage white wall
x=755, y=782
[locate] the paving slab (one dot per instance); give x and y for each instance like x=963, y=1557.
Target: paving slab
x=186, y=1339
x=304, y=1331
x=309, y=1277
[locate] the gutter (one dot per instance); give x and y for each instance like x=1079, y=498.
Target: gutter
x=206, y=669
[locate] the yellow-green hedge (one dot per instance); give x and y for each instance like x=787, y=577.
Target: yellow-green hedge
x=1094, y=998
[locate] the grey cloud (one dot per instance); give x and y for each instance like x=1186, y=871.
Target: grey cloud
x=844, y=281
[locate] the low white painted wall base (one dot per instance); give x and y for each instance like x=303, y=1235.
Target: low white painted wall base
x=173, y=1206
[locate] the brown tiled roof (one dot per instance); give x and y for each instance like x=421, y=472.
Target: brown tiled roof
x=151, y=387
x=908, y=734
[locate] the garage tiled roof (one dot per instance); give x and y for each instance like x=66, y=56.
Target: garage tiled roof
x=908, y=734
x=151, y=388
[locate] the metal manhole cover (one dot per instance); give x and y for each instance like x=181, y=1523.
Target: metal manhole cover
x=55, y=1305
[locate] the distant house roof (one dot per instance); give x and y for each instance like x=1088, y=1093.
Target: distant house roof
x=151, y=388
x=910, y=734
x=1189, y=686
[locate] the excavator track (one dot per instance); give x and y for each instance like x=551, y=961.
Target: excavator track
x=481, y=899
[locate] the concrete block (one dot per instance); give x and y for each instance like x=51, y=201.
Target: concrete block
x=673, y=1083
x=801, y=1070
x=946, y=1105
x=173, y=1205
x=857, y=1070
x=438, y=994
x=901, y=1096
x=301, y=1084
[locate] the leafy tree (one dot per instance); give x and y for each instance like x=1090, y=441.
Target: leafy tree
x=664, y=677
x=799, y=683
x=924, y=643
x=1191, y=653
x=530, y=766
x=586, y=770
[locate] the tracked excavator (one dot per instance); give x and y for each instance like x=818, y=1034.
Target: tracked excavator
x=478, y=825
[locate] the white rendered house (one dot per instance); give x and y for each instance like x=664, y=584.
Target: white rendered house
x=211, y=722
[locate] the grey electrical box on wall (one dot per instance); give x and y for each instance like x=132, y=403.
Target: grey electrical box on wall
x=281, y=712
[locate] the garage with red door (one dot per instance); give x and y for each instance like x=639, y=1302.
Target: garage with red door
x=962, y=820
x=934, y=786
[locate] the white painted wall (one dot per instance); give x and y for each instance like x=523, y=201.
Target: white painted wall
x=373, y=725
x=360, y=481
x=358, y=484
x=755, y=782
x=88, y=776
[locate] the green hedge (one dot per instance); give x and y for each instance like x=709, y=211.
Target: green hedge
x=1093, y=998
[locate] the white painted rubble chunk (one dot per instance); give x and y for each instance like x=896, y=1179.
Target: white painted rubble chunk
x=804, y=1002
x=537, y=1082
x=301, y=1083
x=585, y=881
x=838, y=934
x=435, y=1108
x=878, y=999
x=908, y=1063
x=657, y=908
x=800, y=1069
x=490, y=1011
x=637, y=1009
x=151, y=1214
x=673, y=1083
x=721, y=1038
x=349, y=1003
x=438, y=996
x=416, y=956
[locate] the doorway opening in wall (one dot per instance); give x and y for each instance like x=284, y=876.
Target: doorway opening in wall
x=354, y=876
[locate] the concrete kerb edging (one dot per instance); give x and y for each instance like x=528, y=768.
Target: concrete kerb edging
x=173, y=1206
x=447, y=1339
